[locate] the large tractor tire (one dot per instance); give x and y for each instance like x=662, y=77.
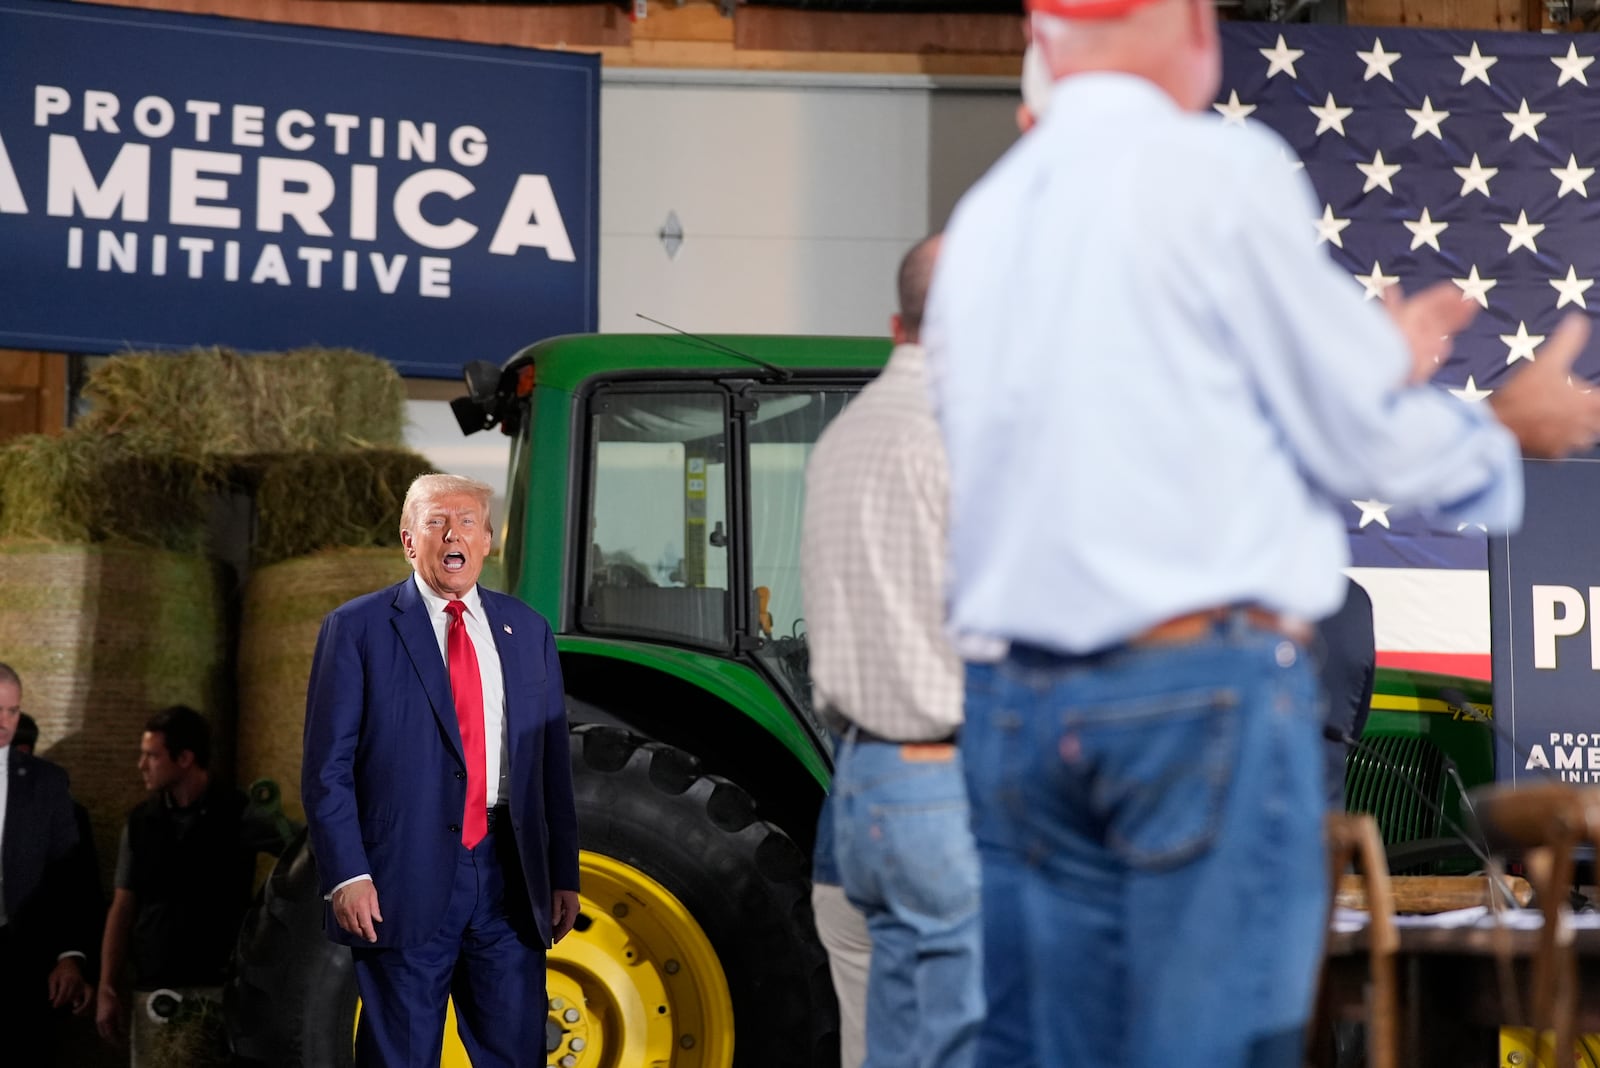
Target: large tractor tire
x=292, y=998
x=694, y=946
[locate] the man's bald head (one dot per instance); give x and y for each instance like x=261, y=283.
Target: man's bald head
x=916, y=274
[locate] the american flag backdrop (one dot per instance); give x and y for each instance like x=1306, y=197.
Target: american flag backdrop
x=1439, y=155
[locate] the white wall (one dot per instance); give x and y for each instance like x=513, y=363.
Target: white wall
x=797, y=195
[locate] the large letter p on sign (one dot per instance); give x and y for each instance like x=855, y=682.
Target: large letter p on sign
x=1548, y=625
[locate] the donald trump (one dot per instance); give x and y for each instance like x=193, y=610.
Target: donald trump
x=439, y=795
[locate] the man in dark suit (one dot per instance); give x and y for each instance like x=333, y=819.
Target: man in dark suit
x=40, y=950
x=436, y=781
x=1349, y=665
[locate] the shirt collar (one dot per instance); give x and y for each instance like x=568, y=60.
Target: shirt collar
x=909, y=354
x=1101, y=92
x=436, y=603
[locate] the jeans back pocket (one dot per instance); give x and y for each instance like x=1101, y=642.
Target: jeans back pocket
x=1163, y=770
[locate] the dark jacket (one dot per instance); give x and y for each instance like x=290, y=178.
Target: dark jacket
x=190, y=878
x=384, y=780
x=40, y=836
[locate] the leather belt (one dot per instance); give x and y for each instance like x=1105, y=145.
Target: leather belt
x=939, y=750
x=1196, y=625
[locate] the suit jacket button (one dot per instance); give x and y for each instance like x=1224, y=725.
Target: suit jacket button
x=455, y=828
x=461, y=775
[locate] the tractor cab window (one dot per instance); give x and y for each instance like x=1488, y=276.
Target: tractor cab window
x=783, y=428
x=656, y=556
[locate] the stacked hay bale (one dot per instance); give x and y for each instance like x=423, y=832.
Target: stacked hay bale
x=328, y=531
x=112, y=600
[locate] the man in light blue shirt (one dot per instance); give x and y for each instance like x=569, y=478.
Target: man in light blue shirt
x=1154, y=392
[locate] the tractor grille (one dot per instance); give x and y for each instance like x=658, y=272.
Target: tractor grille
x=1370, y=786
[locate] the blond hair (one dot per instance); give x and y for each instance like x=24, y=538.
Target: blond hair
x=428, y=488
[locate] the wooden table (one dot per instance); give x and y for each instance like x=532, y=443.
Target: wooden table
x=1450, y=986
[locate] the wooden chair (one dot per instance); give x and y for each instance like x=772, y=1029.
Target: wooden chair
x=1353, y=837
x=1547, y=822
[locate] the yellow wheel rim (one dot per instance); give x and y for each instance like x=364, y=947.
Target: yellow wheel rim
x=637, y=983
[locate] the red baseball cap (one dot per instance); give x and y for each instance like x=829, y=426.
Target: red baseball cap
x=1085, y=9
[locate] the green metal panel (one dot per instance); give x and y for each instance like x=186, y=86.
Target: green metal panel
x=567, y=362
x=1409, y=704
x=1410, y=733
x=727, y=680
x=543, y=524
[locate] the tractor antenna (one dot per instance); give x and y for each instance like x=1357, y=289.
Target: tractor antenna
x=782, y=374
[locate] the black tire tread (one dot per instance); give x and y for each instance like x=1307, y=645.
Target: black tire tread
x=743, y=879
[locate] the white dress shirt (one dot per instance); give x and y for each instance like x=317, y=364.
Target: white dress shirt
x=497, y=766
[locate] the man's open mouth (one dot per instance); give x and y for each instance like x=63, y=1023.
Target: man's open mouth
x=454, y=561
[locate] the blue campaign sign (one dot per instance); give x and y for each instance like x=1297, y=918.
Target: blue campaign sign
x=1544, y=603
x=170, y=180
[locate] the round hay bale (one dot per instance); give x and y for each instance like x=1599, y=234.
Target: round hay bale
x=219, y=403
x=309, y=502
x=103, y=636
x=284, y=605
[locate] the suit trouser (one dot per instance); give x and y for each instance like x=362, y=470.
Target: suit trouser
x=476, y=957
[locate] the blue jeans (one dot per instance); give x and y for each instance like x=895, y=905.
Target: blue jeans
x=1149, y=822
x=906, y=859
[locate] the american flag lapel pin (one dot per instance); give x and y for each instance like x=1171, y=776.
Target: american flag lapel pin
x=506, y=627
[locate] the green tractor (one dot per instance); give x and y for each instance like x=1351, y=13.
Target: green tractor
x=654, y=518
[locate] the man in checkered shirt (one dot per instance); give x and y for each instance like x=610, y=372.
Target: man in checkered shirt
x=873, y=555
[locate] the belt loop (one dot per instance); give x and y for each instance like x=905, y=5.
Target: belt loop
x=1237, y=619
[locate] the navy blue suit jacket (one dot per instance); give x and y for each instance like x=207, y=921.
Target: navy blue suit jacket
x=383, y=779
x=40, y=835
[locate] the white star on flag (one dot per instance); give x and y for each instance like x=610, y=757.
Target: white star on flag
x=1521, y=344
x=1571, y=288
x=1373, y=512
x=1330, y=116
x=1292, y=161
x=1376, y=282
x=1572, y=67
x=1574, y=179
x=1329, y=227
x=1475, y=65
x=1470, y=392
x=1280, y=59
x=1427, y=120
x=1378, y=174
x=1415, y=173
x=1425, y=231
x=1233, y=112
x=1522, y=232
x=1475, y=177
x=1474, y=288
x=1524, y=123
x=1378, y=62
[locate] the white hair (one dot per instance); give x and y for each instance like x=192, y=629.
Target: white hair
x=427, y=488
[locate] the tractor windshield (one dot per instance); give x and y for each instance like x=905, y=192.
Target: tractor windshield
x=673, y=531
x=657, y=553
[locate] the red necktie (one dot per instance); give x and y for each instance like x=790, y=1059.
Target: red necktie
x=467, y=686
